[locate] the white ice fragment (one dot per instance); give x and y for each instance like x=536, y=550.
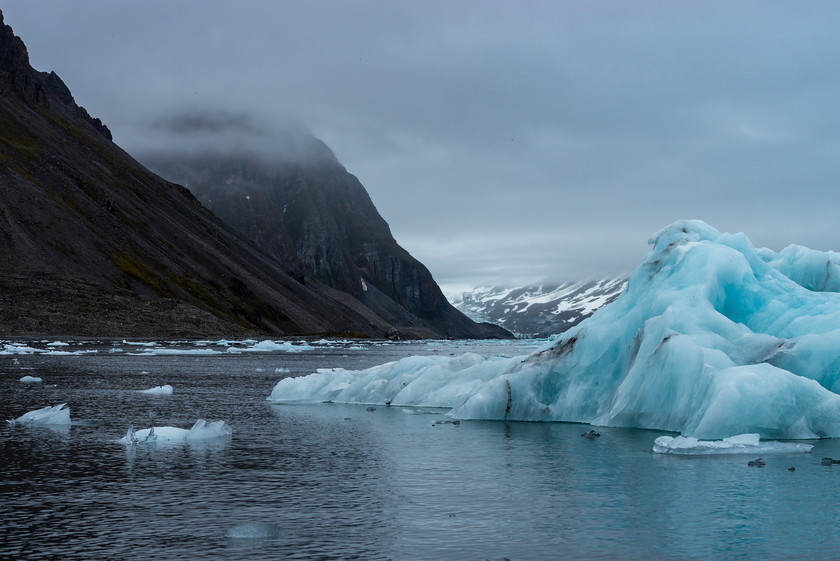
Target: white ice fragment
x=159, y=351
x=19, y=349
x=166, y=389
x=57, y=415
x=201, y=431
x=284, y=346
x=31, y=380
x=740, y=444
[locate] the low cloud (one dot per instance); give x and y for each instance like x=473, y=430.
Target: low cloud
x=222, y=132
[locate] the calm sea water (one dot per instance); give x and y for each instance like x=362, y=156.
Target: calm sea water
x=343, y=482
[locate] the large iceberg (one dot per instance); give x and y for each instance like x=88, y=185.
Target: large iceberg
x=711, y=338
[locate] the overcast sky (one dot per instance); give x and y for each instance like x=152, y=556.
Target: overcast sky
x=504, y=142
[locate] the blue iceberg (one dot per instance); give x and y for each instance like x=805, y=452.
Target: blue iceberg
x=712, y=337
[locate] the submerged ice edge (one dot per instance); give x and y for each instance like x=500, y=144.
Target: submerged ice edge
x=738, y=444
x=711, y=337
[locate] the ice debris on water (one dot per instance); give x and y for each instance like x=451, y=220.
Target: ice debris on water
x=158, y=390
x=201, y=431
x=57, y=415
x=711, y=337
x=739, y=444
x=31, y=380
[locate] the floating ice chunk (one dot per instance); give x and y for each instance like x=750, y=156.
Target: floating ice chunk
x=31, y=380
x=160, y=351
x=253, y=531
x=711, y=337
x=166, y=389
x=201, y=431
x=19, y=349
x=57, y=415
x=284, y=346
x=739, y=444
x=58, y=344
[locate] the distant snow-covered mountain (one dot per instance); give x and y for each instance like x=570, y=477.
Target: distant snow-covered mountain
x=540, y=310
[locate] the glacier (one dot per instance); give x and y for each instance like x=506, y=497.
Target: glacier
x=712, y=337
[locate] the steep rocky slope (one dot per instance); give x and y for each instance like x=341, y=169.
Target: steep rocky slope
x=310, y=211
x=92, y=243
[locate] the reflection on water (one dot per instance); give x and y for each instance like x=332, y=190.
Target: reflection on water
x=342, y=482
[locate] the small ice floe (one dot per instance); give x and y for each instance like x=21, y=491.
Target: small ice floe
x=31, y=380
x=57, y=415
x=284, y=346
x=201, y=431
x=18, y=349
x=158, y=390
x=740, y=444
x=253, y=531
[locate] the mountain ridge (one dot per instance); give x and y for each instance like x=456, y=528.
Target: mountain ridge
x=539, y=310
x=312, y=212
x=94, y=244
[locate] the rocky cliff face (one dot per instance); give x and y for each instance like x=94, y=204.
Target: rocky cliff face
x=92, y=243
x=310, y=211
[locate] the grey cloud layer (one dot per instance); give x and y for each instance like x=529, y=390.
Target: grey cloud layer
x=561, y=135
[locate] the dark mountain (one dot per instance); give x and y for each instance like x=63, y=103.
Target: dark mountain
x=540, y=310
x=94, y=244
x=302, y=206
